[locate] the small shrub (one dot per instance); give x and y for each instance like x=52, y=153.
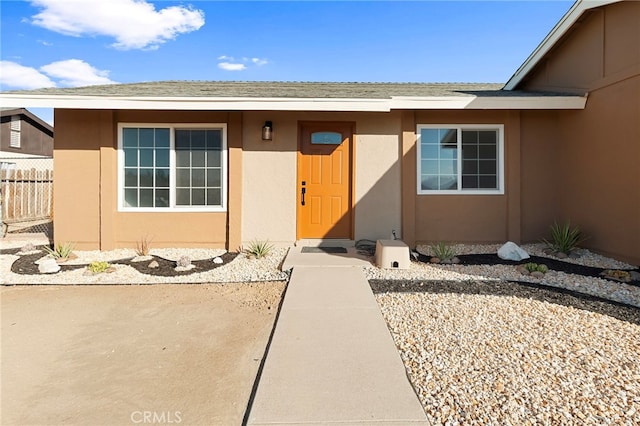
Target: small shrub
x=62, y=251
x=531, y=267
x=443, y=251
x=143, y=246
x=564, y=238
x=98, y=267
x=617, y=274
x=258, y=249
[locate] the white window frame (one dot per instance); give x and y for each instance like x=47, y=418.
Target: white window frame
x=460, y=191
x=172, y=167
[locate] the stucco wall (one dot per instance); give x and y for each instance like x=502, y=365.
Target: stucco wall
x=469, y=217
x=594, y=152
x=270, y=174
x=85, y=186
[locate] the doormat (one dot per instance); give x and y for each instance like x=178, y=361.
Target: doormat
x=328, y=250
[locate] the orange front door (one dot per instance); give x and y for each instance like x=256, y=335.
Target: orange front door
x=324, y=180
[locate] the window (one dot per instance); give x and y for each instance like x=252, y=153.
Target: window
x=172, y=167
x=455, y=159
x=15, y=141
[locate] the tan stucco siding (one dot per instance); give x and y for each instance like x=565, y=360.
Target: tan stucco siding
x=269, y=179
x=470, y=217
x=377, y=177
x=76, y=189
x=270, y=174
x=598, y=173
x=86, y=186
x=602, y=48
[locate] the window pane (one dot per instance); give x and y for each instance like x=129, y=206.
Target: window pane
x=213, y=197
x=213, y=177
x=162, y=138
x=182, y=197
x=448, y=136
x=146, y=138
x=162, y=198
x=448, y=151
x=182, y=139
x=488, y=182
x=197, y=138
x=448, y=167
x=146, y=178
x=469, y=167
x=430, y=167
x=197, y=197
x=487, y=152
x=326, y=138
x=197, y=177
x=430, y=151
x=430, y=182
x=197, y=158
x=183, y=158
x=129, y=137
x=131, y=198
x=146, y=198
x=429, y=136
x=469, y=152
x=469, y=182
x=213, y=158
x=470, y=137
x=162, y=158
x=162, y=178
x=183, y=178
x=487, y=167
x=131, y=177
x=214, y=139
x=448, y=182
x=146, y=157
x=130, y=157
x=488, y=136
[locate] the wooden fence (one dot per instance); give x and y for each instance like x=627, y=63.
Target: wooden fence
x=27, y=195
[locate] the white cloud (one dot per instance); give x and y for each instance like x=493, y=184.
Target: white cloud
x=16, y=76
x=231, y=64
x=135, y=24
x=75, y=72
x=228, y=66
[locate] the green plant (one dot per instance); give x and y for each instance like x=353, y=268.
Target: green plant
x=258, y=249
x=533, y=267
x=62, y=251
x=564, y=238
x=443, y=251
x=143, y=246
x=98, y=267
x=617, y=274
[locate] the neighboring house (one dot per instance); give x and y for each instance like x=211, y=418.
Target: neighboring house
x=24, y=134
x=186, y=164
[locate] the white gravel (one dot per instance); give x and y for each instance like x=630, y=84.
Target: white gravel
x=241, y=269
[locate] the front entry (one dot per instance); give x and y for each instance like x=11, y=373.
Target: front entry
x=324, y=180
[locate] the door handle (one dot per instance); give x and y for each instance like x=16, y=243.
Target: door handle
x=302, y=192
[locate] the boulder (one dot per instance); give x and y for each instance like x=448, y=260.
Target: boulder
x=218, y=260
x=511, y=251
x=48, y=266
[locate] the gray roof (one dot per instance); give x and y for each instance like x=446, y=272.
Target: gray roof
x=300, y=90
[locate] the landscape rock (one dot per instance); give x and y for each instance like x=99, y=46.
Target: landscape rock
x=48, y=266
x=218, y=260
x=184, y=268
x=511, y=251
x=153, y=265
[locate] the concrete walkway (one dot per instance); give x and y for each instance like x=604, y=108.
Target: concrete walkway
x=332, y=358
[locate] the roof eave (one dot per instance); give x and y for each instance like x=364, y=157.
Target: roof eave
x=296, y=104
x=560, y=29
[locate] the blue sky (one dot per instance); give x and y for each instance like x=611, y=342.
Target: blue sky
x=67, y=43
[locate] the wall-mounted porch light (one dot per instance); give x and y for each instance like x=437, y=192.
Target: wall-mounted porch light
x=267, y=131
